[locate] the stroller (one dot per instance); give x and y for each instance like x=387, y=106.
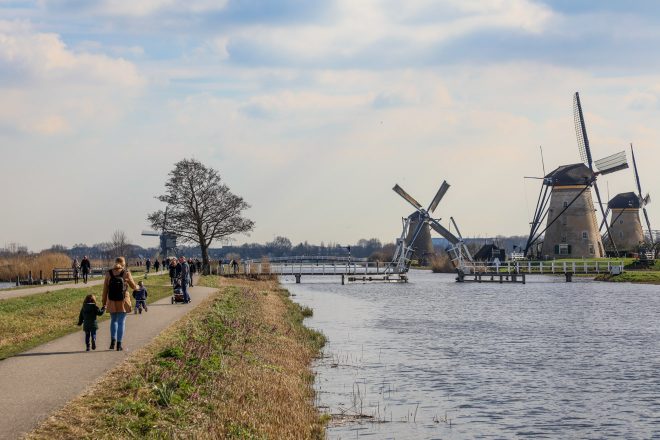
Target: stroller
x=177, y=293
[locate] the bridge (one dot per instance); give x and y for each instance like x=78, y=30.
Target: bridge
x=350, y=269
x=516, y=271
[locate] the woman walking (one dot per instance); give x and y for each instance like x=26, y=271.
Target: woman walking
x=117, y=301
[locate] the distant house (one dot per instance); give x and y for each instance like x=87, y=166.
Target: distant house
x=489, y=252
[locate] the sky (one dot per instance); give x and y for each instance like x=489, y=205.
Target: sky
x=312, y=111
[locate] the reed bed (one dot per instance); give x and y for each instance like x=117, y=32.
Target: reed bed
x=21, y=265
x=441, y=264
x=238, y=366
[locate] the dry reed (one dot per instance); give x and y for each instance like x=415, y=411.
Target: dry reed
x=21, y=265
x=441, y=264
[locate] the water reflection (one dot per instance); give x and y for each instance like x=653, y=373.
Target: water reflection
x=437, y=359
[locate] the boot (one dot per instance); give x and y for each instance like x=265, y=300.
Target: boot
x=119, y=346
x=93, y=344
x=87, y=347
x=112, y=344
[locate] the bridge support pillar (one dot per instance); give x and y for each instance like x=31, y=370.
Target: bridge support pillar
x=298, y=276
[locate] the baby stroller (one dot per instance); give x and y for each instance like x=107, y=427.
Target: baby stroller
x=177, y=294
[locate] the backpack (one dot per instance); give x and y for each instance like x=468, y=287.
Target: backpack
x=116, y=286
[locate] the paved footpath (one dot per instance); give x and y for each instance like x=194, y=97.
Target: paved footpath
x=15, y=293
x=36, y=383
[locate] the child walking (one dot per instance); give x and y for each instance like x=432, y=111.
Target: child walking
x=140, y=296
x=87, y=319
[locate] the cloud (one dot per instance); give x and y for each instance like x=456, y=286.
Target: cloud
x=50, y=89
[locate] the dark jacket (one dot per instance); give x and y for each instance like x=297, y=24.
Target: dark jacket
x=87, y=317
x=140, y=294
x=85, y=265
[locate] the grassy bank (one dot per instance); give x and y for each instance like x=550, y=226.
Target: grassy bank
x=643, y=277
x=235, y=367
x=29, y=321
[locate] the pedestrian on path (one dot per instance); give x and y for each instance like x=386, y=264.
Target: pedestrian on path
x=87, y=319
x=85, y=267
x=148, y=264
x=172, y=269
x=156, y=265
x=117, y=301
x=184, y=277
x=140, y=296
x=193, y=269
x=75, y=267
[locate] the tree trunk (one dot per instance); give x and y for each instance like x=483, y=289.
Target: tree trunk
x=206, y=266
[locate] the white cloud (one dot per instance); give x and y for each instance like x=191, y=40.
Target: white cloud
x=50, y=89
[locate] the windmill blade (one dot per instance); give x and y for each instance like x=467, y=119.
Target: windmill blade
x=648, y=225
x=438, y=196
x=456, y=227
x=647, y=199
x=639, y=185
x=581, y=131
x=151, y=233
x=613, y=163
x=407, y=197
x=600, y=203
x=444, y=232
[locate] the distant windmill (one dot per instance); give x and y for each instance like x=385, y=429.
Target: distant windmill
x=418, y=237
x=565, y=201
x=625, y=225
x=167, y=239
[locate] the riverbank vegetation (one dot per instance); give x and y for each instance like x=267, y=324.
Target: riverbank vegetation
x=632, y=276
x=238, y=366
x=28, y=321
x=20, y=265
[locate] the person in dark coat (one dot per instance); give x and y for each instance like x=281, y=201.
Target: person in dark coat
x=87, y=319
x=193, y=269
x=147, y=264
x=172, y=269
x=156, y=265
x=184, y=277
x=85, y=268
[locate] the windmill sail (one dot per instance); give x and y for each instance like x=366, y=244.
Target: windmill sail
x=438, y=196
x=407, y=197
x=646, y=200
x=581, y=131
x=613, y=163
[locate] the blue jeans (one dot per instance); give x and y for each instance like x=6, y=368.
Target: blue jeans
x=117, y=325
x=184, y=288
x=90, y=334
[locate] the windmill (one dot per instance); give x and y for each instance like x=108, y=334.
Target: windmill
x=167, y=239
x=565, y=201
x=417, y=230
x=625, y=226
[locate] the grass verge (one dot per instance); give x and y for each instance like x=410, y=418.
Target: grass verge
x=235, y=367
x=28, y=321
x=643, y=277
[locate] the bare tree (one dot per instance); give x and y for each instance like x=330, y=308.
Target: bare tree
x=200, y=208
x=120, y=243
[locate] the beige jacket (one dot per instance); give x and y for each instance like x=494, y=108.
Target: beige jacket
x=118, y=306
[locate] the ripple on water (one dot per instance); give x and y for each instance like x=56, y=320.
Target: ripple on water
x=437, y=359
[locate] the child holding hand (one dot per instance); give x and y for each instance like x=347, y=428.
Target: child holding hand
x=87, y=318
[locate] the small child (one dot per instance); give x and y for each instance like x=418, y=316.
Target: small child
x=87, y=319
x=140, y=296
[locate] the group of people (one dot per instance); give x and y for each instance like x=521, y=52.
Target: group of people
x=117, y=301
x=84, y=268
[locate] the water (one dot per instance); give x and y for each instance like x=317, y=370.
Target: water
x=4, y=285
x=437, y=359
